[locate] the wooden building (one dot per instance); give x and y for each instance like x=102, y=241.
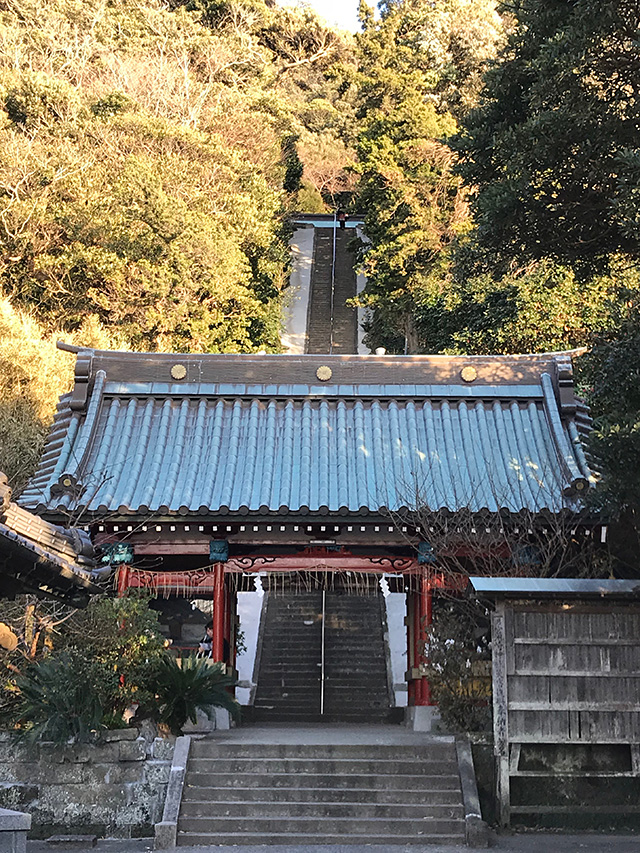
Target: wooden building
x=566, y=703
x=205, y=469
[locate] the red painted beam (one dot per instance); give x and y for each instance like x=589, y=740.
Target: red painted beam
x=323, y=562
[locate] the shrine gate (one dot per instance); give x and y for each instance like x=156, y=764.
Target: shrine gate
x=203, y=470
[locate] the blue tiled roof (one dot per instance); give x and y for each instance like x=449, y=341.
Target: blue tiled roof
x=142, y=445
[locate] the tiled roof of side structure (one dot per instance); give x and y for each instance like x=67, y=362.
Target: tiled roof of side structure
x=36, y=556
x=191, y=435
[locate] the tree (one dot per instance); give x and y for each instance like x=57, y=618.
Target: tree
x=551, y=157
x=611, y=376
x=125, y=195
x=419, y=68
x=551, y=153
x=33, y=374
x=544, y=307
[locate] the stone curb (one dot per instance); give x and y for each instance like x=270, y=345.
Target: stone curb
x=166, y=832
x=476, y=830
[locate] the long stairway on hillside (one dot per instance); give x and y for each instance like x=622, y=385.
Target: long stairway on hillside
x=292, y=662
x=288, y=793
x=337, y=332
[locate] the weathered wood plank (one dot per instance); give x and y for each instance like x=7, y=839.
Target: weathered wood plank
x=625, y=707
x=530, y=726
x=540, y=659
x=500, y=712
x=573, y=641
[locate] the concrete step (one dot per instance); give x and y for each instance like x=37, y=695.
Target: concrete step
x=270, y=809
x=282, y=715
x=304, y=839
x=334, y=765
x=318, y=826
x=421, y=797
x=218, y=777
x=436, y=748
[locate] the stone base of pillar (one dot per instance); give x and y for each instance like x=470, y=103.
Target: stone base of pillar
x=13, y=831
x=422, y=718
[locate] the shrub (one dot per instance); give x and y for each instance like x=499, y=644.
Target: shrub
x=60, y=699
x=458, y=665
x=39, y=99
x=112, y=104
x=182, y=689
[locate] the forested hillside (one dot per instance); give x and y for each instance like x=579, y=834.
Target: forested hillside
x=152, y=154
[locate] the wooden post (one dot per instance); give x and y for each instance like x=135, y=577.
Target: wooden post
x=217, y=648
x=233, y=629
x=426, y=618
x=123, y=577
x=500, y=712
x=410, y=622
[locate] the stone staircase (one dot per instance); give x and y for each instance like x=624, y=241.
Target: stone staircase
x=345, y=320
x=289, y=679
x=282, y=793
x=356, y=681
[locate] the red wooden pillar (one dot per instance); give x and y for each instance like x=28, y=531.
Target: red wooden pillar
x=217, y=649
x=419, y=618
x=426, y=618
x=123, y=580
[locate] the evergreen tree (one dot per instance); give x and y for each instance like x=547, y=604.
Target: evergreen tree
x=552, y=151
x=420, y=64
x=553, y=156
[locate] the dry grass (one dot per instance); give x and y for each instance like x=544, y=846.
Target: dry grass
x=33, y=374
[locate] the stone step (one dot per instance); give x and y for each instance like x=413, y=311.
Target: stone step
x=270, y=809
x=318, y=826
x=358, y=694
x=333, y=764
x=200, y=778
x=434, y=748
x=384, y=796
x=302, y=839
x=272, y=713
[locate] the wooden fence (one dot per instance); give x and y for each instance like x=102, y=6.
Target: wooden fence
x=566, y=702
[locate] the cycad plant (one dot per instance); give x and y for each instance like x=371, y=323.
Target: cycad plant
x=182, y=690
x=58, y=701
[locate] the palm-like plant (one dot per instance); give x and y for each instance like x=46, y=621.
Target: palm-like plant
x=182, y=690
x=57, y=701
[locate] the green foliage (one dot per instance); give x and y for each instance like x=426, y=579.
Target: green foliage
x=112, y=104
x=543, y=308
x=414, y=75
x=610, y=373
x=61, y=699
x=122, y=636
x=293, y=165
x=33, y=373
x=95, y=664
x=37, y=100
x=157, y=210
x=458, y=655
x=182, y=689
x=552, y=150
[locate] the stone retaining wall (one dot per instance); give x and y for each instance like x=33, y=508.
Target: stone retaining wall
x=115, y=789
